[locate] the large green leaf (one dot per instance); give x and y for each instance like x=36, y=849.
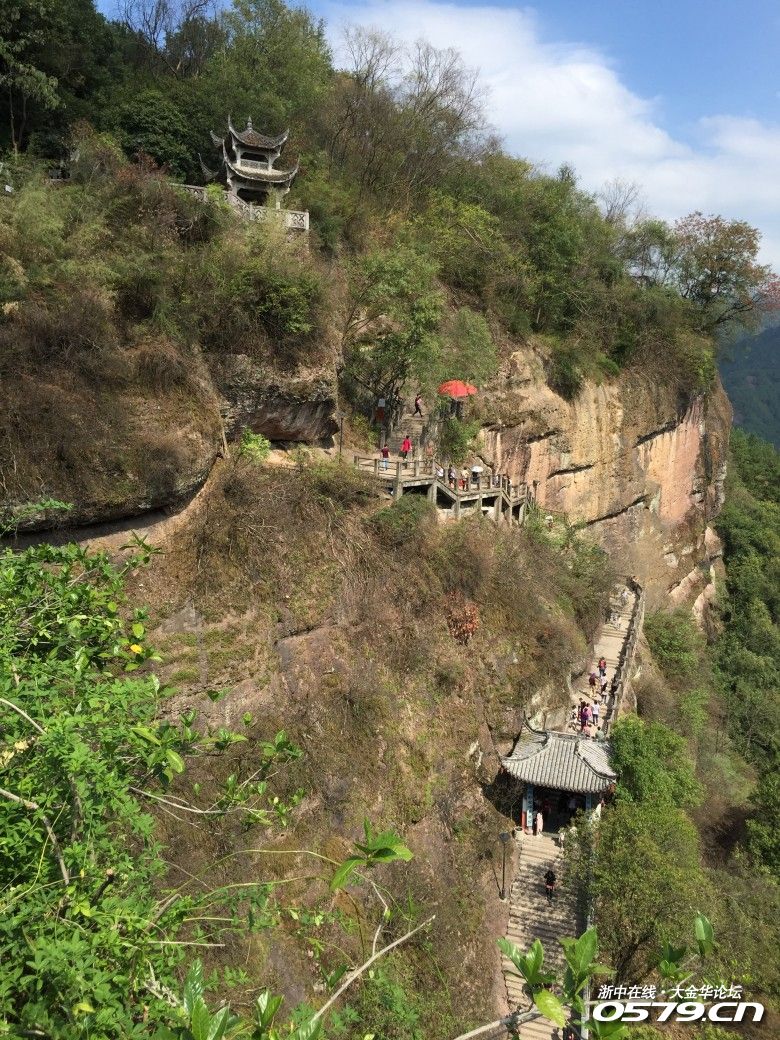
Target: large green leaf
x=307, y=1031
x=550, y=1007
x=267, y=1006
x=200, y=1020
x=193, y=986
x=344, y=872
x=705, y=935
x=579, y=953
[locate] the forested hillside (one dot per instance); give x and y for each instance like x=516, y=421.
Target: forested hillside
x=251, y=756
x=750, y=370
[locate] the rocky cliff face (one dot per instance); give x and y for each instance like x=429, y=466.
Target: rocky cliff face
x=643, y=472
x=283, y=407
x=142, y=432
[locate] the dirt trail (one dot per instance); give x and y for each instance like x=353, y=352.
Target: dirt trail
x=157, y=526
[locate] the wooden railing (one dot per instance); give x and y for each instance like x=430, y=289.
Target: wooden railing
x=410, y=469
x=626, y=659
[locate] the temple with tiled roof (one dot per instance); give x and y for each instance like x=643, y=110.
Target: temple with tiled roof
x=564, y=771
x=247, y=165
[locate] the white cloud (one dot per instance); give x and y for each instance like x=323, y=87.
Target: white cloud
x=563, y=102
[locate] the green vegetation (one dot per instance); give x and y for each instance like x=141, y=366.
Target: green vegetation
x=255, y=446
x=401, y=181
x=84, y=756
x=747, y=653
x=643, y=872
x=456, y=438
x=750, y=370
x=94, y=927
x=694, y=817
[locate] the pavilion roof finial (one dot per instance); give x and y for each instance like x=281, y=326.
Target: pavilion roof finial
x=249, y=123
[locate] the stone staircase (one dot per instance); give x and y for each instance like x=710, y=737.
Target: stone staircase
x=610, y=639
x=530, y=917
x=413, y=426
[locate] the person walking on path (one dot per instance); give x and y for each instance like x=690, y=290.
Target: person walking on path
x=585, y=718
x=384, y=451
x=538, y=822
x=418, y=406
x=549, y=884
x=406, y=447
x=602, y=666
x=592, y=680
x=595, y=712
x=603, y=686
x=452, y=476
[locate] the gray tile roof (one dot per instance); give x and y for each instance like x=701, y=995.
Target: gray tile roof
x=563, y=761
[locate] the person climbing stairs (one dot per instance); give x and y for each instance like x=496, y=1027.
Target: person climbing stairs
x=414, y=426
x=531, y=917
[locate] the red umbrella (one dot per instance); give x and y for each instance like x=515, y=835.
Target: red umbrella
x=456, y=388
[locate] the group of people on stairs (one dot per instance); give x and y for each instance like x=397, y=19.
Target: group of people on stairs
x=586, y=716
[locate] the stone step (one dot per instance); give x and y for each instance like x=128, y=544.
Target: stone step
x=539, y=1029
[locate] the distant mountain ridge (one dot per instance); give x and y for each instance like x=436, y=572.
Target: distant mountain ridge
x=750, y=371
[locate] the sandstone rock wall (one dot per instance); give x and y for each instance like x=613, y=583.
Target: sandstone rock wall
x=299, y=406
x=120, y=447
x=642, y=471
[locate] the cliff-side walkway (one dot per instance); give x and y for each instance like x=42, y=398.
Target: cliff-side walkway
x=615, y=641
x=489, y=495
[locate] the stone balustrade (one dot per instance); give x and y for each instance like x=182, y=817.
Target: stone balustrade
x=291, y=219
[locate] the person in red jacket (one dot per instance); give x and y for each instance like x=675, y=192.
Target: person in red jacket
x=406, y=447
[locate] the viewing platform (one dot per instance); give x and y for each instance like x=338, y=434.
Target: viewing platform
x=488, y=494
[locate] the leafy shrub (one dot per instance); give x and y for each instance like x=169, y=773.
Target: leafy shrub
x=607, y=365
x=400, y=523
x=653, y=764
x=364, y=433
x=254, y=446
x=456, y=438
x=564, y=374
x=152, y=125
x=675, y=642
x=467, y=350
x=254, y=294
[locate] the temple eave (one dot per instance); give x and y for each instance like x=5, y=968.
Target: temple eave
x=252, y=139
x=262, y=176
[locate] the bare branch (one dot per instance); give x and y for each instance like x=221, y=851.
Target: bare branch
x=354, y=975
x=23, y=714
x=77, y=807
x=512, y=1021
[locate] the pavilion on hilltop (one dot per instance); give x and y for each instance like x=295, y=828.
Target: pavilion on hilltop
x=247, y=165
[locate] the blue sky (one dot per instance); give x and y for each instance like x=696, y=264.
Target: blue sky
x=695, y=56
x=680, y=96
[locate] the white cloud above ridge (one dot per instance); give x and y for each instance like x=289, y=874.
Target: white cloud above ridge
x=556, y=102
